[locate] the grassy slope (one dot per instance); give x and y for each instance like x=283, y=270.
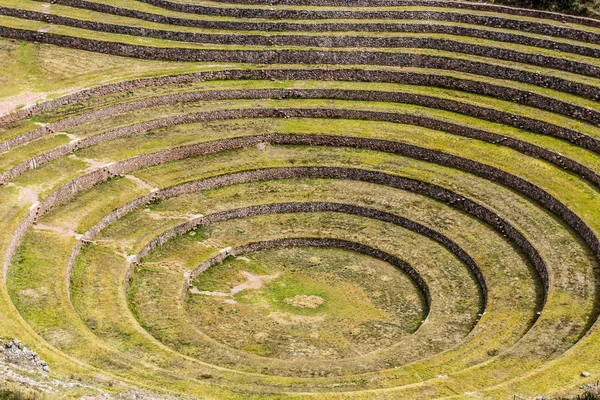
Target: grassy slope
x=45, y=69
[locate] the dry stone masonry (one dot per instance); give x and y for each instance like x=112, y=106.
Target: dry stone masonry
x=455, y=143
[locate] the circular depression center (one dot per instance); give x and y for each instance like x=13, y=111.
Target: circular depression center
x=299, y=303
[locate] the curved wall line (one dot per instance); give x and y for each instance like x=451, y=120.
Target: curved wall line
x=436, y=192
x=349, y=40
x=321, y=242
x=496, y=21
x=320, y=57
x=316, y=14
x=523, y=147
x=488, y=114
x=519, y=96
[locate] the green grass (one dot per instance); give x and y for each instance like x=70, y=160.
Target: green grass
x=480, y=41
x=149, y=8
x=161, y=204
x=369, y=341
x=353, y=155
x=87, y=207
x=167, y=261
x=349, y=284
x=16, y=392
x=55, y=71
x=125, y=39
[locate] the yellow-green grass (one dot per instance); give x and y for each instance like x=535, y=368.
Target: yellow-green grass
x=467, y=98
x=421, y=141
x=129, y=225
x=142, y=115
x=46, y=303
x=14, y=201
x=49, y=77
x=88, y=15
x=194, y=133
x=452, y=144
x=140, y=6
x=504, y=158
x=181, y=171
x=12, y=22
x=44, y=180
x=149, y=92
x=451, y=316
x=549, y=358
x=79, y=215
x=377, y=301
x=51, y=71
x=550, y=307
x=129, y=118
x=77, y=14
x=22, y=153
x=126, y=119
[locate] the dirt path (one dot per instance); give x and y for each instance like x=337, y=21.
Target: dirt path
x=253, y=282
x=25, y=99
x=59, y=229
x=93, y=164
x=29, y=195
x=140, y=182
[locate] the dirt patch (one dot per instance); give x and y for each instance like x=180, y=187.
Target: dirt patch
x=94, y=164
x=311, y=321
x=29, y=194
x=25, y=99
x=253, y=282
x=304, y=301
x=58, y=229
x=140, y=182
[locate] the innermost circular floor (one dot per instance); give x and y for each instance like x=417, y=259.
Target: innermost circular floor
x=305, y=303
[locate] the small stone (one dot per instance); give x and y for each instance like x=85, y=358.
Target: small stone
x=585, y=374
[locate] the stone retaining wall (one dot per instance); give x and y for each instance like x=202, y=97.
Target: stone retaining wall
x=350, y=40
x=520, y=185
x=438, y=193
x=488, y=114
x=426, y=189
x=426, y=122
x=318, y=57
x=495, y=21
x=305, y=207
x=505, y=93
x=319, y=242
x=333, y=41
x=474, y=5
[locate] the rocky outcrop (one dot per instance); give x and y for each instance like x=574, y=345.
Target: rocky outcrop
x=16, y=353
